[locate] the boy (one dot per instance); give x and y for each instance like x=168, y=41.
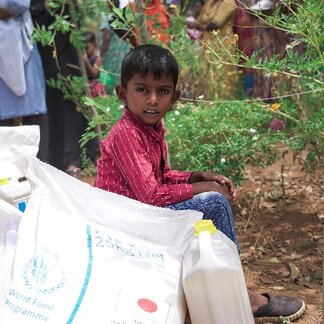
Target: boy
x=93, y=63
x=133, y=158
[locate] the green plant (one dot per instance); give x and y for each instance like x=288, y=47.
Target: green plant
x=223, y=138
x=109, y=110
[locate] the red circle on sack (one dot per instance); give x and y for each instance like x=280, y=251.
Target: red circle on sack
x=147, y=305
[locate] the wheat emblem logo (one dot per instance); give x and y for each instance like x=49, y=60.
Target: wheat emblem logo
x=44, y=274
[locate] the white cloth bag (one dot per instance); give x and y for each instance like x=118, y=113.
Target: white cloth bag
x=25, y=139
x=88, y=256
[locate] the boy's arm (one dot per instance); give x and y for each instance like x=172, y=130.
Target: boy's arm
x=174, y=176
x=94, y=70
x=134, y=163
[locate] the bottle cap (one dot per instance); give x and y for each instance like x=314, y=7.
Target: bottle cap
x=205, y=225
x=4, y=181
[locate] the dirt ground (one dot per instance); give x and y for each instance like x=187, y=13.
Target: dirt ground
x=277, y=218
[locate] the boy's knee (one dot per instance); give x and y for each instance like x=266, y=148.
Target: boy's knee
x=216, y=197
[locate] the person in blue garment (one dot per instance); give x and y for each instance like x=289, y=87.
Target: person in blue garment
x=22, y=83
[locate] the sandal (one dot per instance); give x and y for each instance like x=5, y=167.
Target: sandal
x=278, y=309
x=74, y=172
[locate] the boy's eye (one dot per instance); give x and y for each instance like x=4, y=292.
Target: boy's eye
x=164, y=91
x=141, y=89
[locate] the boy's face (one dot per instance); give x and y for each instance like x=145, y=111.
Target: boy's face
x=148, y=98
x=90, y=48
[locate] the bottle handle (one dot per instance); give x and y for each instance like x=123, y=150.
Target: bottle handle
x=205, y=246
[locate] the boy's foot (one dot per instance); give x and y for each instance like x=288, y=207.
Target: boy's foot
x=279, y=308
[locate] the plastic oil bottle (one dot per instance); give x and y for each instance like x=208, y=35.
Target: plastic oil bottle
x=213, y=279
x=16, y=191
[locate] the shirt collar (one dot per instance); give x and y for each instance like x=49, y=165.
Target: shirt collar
x=157, y=132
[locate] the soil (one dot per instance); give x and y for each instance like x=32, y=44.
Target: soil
x=277, y=214
x=278, y=222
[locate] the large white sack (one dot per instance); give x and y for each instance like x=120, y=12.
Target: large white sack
x=23, y=138
x=8, y=215
x=89, y=256
x=26, y=139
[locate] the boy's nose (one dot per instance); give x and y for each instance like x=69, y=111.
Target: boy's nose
x=152, y=98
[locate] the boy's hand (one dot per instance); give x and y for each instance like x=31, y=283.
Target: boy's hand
x=200, y=176
x=206, y=186
x=84, y=56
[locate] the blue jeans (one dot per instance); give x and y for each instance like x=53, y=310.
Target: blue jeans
x=214, y=206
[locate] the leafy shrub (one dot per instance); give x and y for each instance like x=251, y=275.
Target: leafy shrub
x=223, y=138
x=228, y=136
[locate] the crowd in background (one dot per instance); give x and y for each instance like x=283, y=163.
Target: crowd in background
x=24, y=93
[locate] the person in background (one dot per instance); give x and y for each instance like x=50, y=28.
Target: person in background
x=22, y=83
x=66, y=123
x=243, y=27
x=134, y=161
x=157, y=22
x=216, y=20
x=93, y=63
x=267, y=41
x=114, y=46
x=191, y=20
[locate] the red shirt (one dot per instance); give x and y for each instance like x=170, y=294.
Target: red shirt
x=133, y=164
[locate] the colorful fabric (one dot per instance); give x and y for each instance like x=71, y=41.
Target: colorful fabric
x=157, y=22
x=97, y=88
x=244, y=29
x=133, y=164
x=267, y=41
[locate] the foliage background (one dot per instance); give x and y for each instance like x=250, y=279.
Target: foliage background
x=218, y=135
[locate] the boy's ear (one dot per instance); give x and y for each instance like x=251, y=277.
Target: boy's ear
x=176, y=95
x=121, y=94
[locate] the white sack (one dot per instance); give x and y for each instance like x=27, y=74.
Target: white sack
x=89, y=256
x=22, y=138
x=26, y=139
x=8, y=215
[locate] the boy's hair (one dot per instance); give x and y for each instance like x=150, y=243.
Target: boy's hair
x=149, y=59
x=89, y=37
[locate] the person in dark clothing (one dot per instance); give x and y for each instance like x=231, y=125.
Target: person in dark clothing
x=65, y=121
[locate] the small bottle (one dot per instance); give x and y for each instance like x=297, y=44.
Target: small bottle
x=16, y=191
x=213, y=279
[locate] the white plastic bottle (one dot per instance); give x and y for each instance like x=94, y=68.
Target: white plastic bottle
x=213, y=279
x=16, y=191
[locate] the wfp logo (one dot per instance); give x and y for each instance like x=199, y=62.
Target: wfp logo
x=43, y=273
